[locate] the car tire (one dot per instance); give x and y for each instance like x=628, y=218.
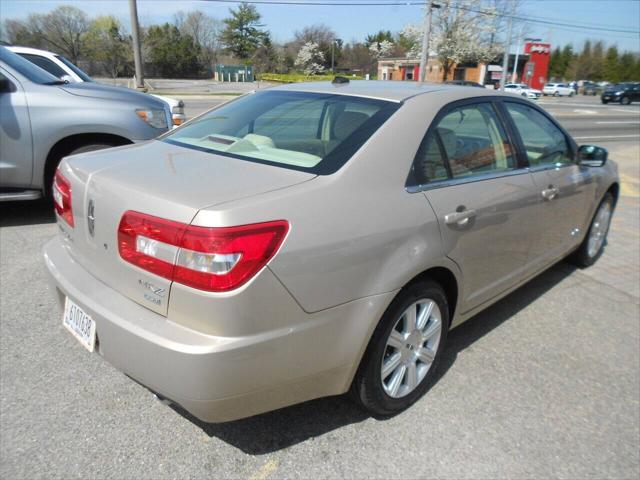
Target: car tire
x=595, y=240
x=90, y=147
x=625, y=101
x=369, y=388
x=571, y=94
x=605, y=101
x=556, y=94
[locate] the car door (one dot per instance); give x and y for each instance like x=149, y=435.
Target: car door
x=565, y=189
x=16, y=144
x=469, y=173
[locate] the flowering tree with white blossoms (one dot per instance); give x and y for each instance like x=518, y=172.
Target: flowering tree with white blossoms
x=458, y=35
x=381, y=49
x=310, y=58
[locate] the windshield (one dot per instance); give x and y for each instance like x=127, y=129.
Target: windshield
x=27, y=69
x=76, y=70
x=312, y=132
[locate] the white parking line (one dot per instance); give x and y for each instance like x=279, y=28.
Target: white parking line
x=626, y=111
x=620, y=122
x=608, y=136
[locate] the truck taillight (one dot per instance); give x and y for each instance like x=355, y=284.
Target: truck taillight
x=62, y=197
x=215, y=259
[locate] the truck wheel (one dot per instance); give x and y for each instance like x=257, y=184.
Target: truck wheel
x=51, y=169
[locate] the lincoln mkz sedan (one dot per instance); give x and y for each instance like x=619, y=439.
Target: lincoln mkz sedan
x=314, y=239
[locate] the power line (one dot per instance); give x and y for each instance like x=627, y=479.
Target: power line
x=352, y=3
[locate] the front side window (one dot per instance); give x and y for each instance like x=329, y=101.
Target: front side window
x=468, y=141
x=314, y=132
x=544, y=143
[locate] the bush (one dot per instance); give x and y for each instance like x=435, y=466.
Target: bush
x=301, y=77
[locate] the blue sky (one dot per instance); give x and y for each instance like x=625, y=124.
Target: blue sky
x=354, y=23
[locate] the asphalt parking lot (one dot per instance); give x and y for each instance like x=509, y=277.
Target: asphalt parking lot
x=546, y=383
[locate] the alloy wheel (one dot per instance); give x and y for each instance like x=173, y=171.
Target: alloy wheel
x=411, y=348
x=599, y=229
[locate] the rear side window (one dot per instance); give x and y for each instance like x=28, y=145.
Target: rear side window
x=544, y=143
x=45, y=64
x=467, y=141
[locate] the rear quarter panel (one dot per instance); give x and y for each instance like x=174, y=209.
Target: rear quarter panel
x=358, y=232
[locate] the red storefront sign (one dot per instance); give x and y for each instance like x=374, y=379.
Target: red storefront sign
x=537, y=68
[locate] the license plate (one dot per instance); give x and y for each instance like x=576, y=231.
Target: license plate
x=80, y=324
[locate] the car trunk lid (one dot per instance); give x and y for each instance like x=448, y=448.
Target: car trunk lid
x=157, y=179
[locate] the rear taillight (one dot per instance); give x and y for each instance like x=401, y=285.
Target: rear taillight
x=62, y=197
x=215, y=259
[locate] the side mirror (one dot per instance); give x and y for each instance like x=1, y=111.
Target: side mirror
x=66, y=78
x=592, y=155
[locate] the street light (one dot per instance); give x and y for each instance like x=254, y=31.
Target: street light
x=333, y=43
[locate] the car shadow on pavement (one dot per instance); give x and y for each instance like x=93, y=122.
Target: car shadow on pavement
x=13, y=214
x=273, y=431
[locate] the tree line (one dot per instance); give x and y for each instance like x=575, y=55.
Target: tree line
x=194, y=42
x=594, y=62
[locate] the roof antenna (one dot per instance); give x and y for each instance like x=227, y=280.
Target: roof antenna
x=340, y=80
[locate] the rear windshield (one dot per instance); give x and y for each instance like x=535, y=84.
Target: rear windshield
x=312, y=132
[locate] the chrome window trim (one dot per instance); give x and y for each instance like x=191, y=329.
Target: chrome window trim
x=463, y=180
x=552, y=166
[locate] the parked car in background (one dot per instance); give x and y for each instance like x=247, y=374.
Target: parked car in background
x=43, y=119
x=623, y=93
x=523, y=89
x=591, y=88
x=464, y=83
x=60, y=67
x=268, y=252
x=558, y=90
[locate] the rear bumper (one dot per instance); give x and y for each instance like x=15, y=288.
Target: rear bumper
x=219, y=378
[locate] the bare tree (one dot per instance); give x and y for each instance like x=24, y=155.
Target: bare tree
x=63, y=29
x=205, y=31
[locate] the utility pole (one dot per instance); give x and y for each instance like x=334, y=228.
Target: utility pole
x=333, y=44
x=135, y=36
x=424, y=54
x=507, y=47
x=514, y=74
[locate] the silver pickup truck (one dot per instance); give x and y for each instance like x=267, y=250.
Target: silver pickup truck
x=43, y=119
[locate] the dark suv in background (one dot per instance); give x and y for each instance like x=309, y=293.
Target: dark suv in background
x=623, y=93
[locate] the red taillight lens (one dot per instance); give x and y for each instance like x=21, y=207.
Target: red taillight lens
x=211, y=259
x=62, y=197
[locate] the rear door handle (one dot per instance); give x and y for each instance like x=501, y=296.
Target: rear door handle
x=459, y=218
x=550, y=193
